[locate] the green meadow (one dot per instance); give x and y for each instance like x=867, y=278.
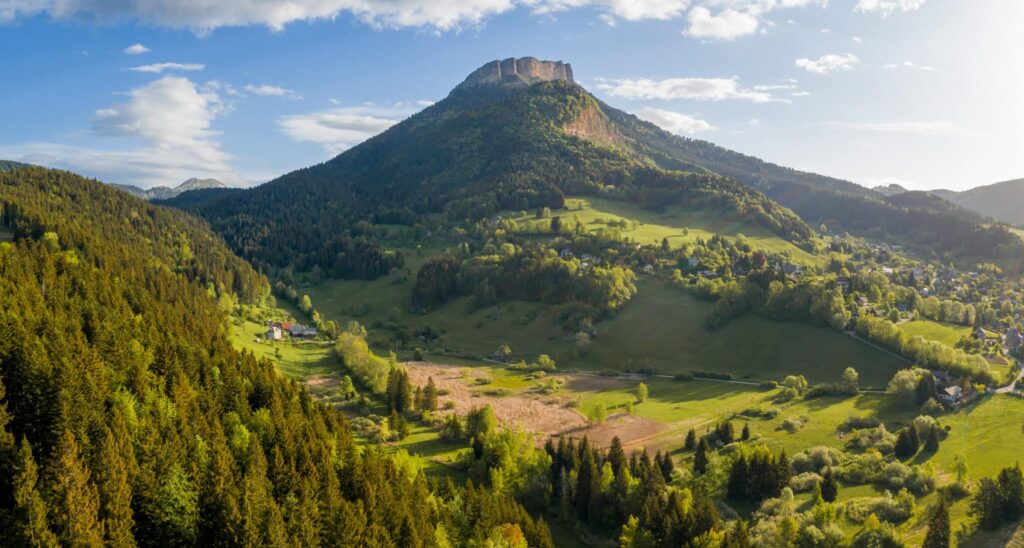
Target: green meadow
x=945, y=333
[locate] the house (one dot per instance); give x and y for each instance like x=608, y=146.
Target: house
x=792, y=269
x=941, y=378
x=980, y=334
x=273, y=334
x=648, y=268
x=299, y=331
x=1013, y=338
x=708, y=274
x=862, y=301
x=693, y=261
x=951, y=395
x=565, y=253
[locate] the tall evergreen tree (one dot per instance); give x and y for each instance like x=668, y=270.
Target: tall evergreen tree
x=115, y=492
x=77, y=500
x=700, y=457
x=28, y=525
x=1011, y=492
x=691, y=440
x=938, y=535
x=829, y=486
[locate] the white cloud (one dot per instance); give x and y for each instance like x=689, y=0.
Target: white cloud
x=158, y=68
x=136, y=49
x=728, y=24
x=203, y=16
x=267, y=90
x=161, y=135
x=857, y=39
x=800, y=93
x=829, y=63
x=674, y=122
x=342, y=128
x=885, y=8
x=700, y=89
x=928, y=128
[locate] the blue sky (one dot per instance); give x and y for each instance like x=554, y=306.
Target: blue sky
x=926, y=93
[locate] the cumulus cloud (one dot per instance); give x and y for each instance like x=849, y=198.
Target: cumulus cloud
x=158, y=68
x=341, y=128
x=829, y=63
x=267, y=90
x=728, y=24
x=886, y=8
x=162, y=134
x=674, y=122
x=700, y=89
x=732, y=17
x=136, y=49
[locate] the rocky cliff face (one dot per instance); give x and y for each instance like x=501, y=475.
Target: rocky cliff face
x=518, y=72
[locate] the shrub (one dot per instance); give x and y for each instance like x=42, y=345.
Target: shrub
x=859, y=423
x=932, y=408
x=768, y=385
x=802, y=483
x=712, y=375
x=683, y=377
x=816, y=459
x=794, y=424
x=888, y=508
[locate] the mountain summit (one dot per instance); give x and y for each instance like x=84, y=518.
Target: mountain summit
x=522, y=72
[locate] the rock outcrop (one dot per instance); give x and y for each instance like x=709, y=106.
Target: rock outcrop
x=519, y=72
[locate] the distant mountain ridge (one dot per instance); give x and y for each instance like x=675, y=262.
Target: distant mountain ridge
x=167, y=193
x=1001, y=201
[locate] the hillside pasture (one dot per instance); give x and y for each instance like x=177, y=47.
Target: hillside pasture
x=945, y=333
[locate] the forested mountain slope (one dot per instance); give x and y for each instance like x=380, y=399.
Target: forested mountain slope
x=1000, y=201
x=127, y=418
x=819, y=199
x=493, y=144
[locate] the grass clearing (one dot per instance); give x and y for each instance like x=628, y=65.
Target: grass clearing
x=945, y=333
x=298, y=361
x=652, y=226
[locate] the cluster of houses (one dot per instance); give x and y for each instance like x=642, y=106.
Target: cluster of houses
x=276, y=331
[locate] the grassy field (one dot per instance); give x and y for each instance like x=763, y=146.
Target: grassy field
x=663, y=328
x=651, y=226
x=945, y=333
x=297, y=361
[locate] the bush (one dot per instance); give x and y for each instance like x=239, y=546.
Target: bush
x=932, y=408
x=683, y=377
x=802, y=483
x=888, y=508
x=859, y=423
x=816, y=459
x=768, y=385
x=794, y=424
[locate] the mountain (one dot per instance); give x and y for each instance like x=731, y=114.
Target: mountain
x=127, y=417
x=891, y=189
x=520, y=134
x=1000, y=201
x=517, y=134
x=167, y=193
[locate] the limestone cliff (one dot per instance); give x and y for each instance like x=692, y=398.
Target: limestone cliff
x=519, y=72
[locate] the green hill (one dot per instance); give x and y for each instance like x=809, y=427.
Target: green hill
x=127, y=418
x=491, y=145
x=1000, y=201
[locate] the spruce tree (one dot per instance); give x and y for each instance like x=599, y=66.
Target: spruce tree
x=745, y=435
x=78, y=504
x=691, y=440
x=1011, y=493
x=115, y=493
x=938, y=535
x=28, y=526
x=829, y=486
x=931, y=443
x=700, y=457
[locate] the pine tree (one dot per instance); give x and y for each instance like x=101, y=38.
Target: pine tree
x=745, y=435
x=115, y=493
x=907, y=442
x=28, y=526
x=737, y=486
x=829, y=486
x=987, y=504
x=738, y=536
x=77, y=499
x=1011, y=492
x=430, y=395
x=700, y=457
x=938, y=528
x=616, y=456
x=691, y=440
x=931, y=443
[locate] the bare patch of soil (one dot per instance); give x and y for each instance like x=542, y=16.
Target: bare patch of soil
x=631, y=430
x=545, y=415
